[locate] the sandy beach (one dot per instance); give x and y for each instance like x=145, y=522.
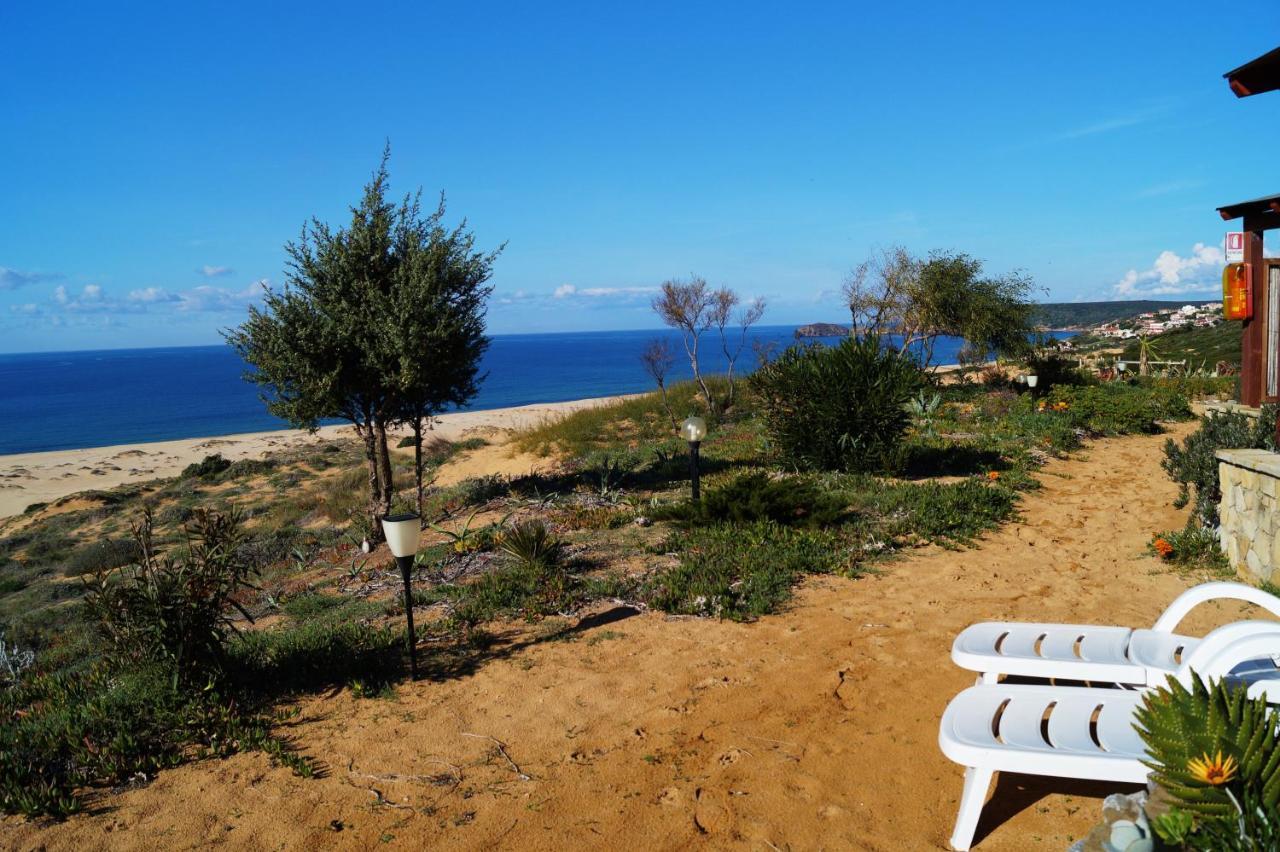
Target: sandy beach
x=27, y=478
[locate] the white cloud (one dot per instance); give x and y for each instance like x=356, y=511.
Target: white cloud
x=209, y=298
x=151, y=295
x=90, y=298
x=28, y=308
x=215, y=271
x=564, y=291
x=1172, y=274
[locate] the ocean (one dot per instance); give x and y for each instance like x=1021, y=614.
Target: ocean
x=69, y=400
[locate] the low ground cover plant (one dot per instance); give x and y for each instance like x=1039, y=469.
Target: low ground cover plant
x=1118, y=408
x=741, y=571
x=752, y=497
x=152, y=673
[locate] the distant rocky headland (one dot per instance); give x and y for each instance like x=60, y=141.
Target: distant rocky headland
x=822, y=329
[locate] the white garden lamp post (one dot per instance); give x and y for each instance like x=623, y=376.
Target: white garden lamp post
x=403, y=534
x=694, y=429
x=1032, y=381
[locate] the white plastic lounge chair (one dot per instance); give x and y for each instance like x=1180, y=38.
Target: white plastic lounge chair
x=1096, y=654
x=1071, y=731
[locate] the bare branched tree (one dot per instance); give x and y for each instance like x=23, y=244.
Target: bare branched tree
x=657, y=360
x=686, y=306
x=723, y=302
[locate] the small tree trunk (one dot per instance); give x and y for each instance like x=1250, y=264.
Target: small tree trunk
x=386, y=488
x=371, y=458
x=662, y=386
x=692, y=350
x=417, y=460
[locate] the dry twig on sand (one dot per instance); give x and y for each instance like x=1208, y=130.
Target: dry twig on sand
x=501, y=748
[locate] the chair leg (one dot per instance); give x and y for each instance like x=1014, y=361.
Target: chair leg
x=976, y=782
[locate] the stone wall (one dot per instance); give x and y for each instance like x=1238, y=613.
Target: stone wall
x=1250, y=531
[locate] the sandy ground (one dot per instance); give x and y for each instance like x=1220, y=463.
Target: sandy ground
x=815, y=728
x=27, y=478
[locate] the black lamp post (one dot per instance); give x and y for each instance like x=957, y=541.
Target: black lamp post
x=694, y=430
x=403, y=534
x=1032, y=381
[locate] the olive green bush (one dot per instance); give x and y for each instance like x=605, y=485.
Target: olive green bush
x=837, y=408
x=1194, y=464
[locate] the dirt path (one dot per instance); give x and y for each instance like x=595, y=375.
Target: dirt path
x=812, y=729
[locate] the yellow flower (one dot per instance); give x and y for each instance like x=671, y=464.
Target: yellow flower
x=1213, y=771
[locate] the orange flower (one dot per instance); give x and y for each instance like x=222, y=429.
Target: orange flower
x=1213, y=771
x=1061, y=406
x=993, y=475
x=1162, y=547
x=1041, y=406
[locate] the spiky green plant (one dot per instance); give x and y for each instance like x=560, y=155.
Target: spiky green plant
x=1181, y=725
x=530, y=544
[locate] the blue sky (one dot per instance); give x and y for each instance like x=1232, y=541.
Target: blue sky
x=156, y=158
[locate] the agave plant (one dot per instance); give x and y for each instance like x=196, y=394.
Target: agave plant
x=1211, y=747
x=530, y=544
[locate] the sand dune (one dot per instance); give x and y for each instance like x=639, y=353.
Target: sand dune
x=27, y=478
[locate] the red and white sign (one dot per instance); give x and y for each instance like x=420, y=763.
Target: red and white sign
x=1235, y=247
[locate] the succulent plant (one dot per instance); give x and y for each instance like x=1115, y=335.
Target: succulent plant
x=1209, y=745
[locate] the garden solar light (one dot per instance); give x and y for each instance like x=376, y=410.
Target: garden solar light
x=403, y=534
x=1032, y=380
x=1120, y=365
x=694, y=430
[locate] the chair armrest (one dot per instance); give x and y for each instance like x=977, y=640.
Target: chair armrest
x=1229, y=646
x=1197, y=595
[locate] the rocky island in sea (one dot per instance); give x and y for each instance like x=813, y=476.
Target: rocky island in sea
x=821, y=329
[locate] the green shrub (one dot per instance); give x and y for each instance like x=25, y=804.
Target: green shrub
x=791, y=501
x=1053, y=370
x=1194, y=465
x=207, y=468
x=174, y=611
x=1117, y=408
x=837, y=408
x=1196, y=386
x=103, y=555
x=245, y=468
x=48, y=546
x=741, y=571
x=1192, y=547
